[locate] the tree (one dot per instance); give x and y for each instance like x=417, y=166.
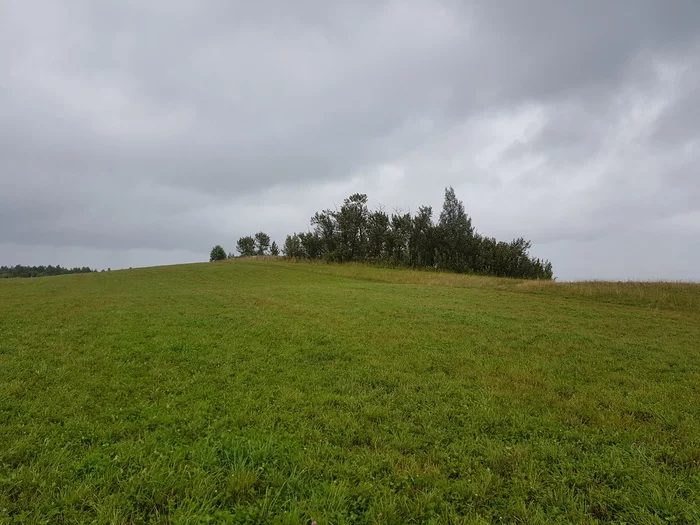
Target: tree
x=325, y=226
x=377, y=234
x=262, y=243
x=401, y=225
x=456, y=234
x=292, y=247
x=311, y=245
x=352, y=227
x=274, y=250
x=217, y=254
x=246, y=246
x=421, y=245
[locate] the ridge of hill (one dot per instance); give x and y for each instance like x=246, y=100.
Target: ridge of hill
x=251, y=391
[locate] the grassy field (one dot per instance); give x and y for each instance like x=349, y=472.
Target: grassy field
x=277, y=392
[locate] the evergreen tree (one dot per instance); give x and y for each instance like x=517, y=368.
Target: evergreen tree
x=217, y=254
x=455, y=234
x=262, y=243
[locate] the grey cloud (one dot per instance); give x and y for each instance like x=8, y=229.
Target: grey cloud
x=175, y=125
x=679, y=124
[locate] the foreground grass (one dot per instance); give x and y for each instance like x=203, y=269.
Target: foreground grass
x=262, y=391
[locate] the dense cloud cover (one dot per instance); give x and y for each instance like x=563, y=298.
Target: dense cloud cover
x=138, y=133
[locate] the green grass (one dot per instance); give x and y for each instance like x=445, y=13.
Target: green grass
x=277, y=392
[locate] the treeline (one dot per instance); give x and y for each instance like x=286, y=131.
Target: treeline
x=354, y=233
x=39, y=271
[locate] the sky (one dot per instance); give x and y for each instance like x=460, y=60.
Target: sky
x=143, y=133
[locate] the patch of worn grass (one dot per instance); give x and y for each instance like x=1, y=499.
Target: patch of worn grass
x=262, y=391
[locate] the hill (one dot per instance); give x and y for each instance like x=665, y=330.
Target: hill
x=249, y=391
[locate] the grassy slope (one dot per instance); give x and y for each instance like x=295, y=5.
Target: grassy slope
x=264, y=391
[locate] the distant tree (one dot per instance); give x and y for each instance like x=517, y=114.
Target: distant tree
x=399, y=238
x=325, y=224
x=262, y=243
x=246, y=246
x=352, y=227
x=217, y=254
x=274, y=250
x=311, y=245
x=292, y=247
x=39, y=271
x=231, y=255
x=421, y=244
x=377, y=234
x=456, y=234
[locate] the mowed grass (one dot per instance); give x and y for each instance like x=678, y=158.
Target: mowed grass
x=277, y=392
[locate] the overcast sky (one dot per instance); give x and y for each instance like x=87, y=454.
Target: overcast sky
x=140, y=133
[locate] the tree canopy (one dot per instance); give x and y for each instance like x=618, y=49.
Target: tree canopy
x=246, y=246
x=217, y=254
x=354, y=233
x=262, y=243
x=39, y=271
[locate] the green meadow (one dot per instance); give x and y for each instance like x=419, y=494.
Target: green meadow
x=265, y=391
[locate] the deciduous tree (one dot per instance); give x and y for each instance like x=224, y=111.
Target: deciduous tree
x=246, y=246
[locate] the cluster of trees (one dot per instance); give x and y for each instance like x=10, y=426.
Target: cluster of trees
x=39, y=271
x=258, y=244
x=354, y=233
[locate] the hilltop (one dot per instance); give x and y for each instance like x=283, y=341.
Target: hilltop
x=249, y=391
